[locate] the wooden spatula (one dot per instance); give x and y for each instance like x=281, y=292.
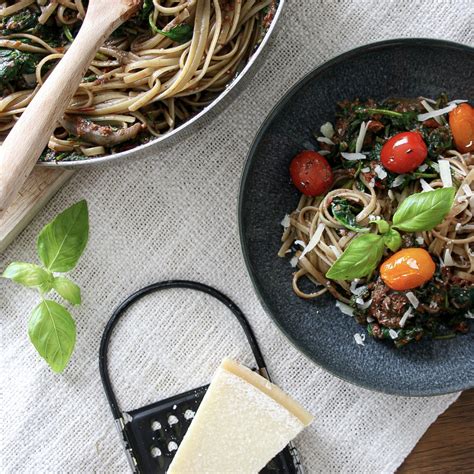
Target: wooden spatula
x=31, y=133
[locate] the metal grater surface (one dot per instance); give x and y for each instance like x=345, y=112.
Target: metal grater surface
x=154, y=433
x=151, y=435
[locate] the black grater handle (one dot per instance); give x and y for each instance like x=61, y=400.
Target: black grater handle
x=163, y=285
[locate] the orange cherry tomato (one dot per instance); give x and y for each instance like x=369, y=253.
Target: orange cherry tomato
x=461, y=121
x=407, y=269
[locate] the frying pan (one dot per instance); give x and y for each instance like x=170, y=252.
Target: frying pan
x=205, y=116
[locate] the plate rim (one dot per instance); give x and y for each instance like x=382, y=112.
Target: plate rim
x=434, y=391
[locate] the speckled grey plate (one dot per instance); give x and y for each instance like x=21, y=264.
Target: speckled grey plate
x=403, y=68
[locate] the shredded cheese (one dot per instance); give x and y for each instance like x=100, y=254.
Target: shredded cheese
x=359, y=339
x=436, y=113
x=393, y=333
x=314, y=240
x=345, y=309
x=407, y=314
x=412, y=299
x=286, y=221
x=445, y=173
x=448, y=259
x=361, y=136
x=326, y=140
x=353, y=156
x=425, y=186
x=327, y=130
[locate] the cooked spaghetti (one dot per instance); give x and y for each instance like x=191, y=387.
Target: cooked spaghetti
x=362, y=197
x=155, y=72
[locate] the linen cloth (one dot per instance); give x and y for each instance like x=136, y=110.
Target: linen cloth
x=173, y=215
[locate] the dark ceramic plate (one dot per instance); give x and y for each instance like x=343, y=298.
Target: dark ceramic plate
x=397, y=68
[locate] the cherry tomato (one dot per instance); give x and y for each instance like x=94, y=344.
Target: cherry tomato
x=311, y=173
x=407, y=269
x=404, y=152
x=461, y=121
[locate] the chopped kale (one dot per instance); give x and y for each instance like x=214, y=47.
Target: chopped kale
x=345, y=213
x=18, y=22
x=14, y=63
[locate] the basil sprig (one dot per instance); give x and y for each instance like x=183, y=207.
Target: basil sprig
x=424, y=211
x=60, y=244
x=359, y=259
x=418, y=212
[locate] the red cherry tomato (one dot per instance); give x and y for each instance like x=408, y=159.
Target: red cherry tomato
x=461, y=121
x=404, y=152
x=311, y=173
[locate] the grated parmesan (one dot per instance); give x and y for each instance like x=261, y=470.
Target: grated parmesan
x=380, y=172
x=398, y=181
x=436, y=113
x=412, y=299
x=327, y=130
x=425, y=186
x=445, y=173
x=300, y=243
x=365, y=170
x=294, y=261
x=448, y=259
x=393, y=334
x=420, y=240
x=324, y=152
x=326, y=140
x=361, y=136
x=286, y=221
x=423, y=167
x=407, y=314
x=314, y=240
x=428, y=107
x=344, y=308
x=467, y=189
x=353, y=156
x=391, y=196
x=359, y=339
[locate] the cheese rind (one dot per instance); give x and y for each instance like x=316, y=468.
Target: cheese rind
x=242, y=423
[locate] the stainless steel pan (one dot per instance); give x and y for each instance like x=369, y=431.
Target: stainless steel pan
x=204, y=117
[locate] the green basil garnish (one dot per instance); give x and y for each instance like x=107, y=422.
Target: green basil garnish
x=53, y=333
x=61, y=243
x=359, y=259
x=67, y=289
x=392, y=240
x=424, y=211
x=29, y=274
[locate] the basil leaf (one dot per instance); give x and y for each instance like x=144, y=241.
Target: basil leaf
x=382, y=226
x=345, y=213
x=359, y=259
x=67, y=289
x=424, y=211
x=28, y=274
x=62, y=241
x=53, y=333
x=392, y=240
x=180, y=33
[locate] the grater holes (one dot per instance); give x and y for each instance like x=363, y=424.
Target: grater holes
x=155, y=452
x=155, y=425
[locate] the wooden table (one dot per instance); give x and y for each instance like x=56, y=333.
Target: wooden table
x=448, y=445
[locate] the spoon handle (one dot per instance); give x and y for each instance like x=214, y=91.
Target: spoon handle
x=28, y=138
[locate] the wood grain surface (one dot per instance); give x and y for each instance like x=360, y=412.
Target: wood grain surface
x=448, y=445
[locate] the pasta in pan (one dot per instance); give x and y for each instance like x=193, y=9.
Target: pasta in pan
x=155, y=72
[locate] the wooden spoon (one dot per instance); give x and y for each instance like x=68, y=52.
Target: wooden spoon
x=28, y=138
